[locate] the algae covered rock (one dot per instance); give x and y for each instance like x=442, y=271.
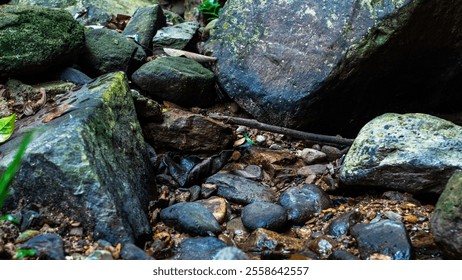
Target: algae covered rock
x=414, y=153
x=34, y=40
x=90, y=162
x=446, y=225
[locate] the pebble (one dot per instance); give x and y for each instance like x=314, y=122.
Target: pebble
x=199, y=248
x=393, y=216
x=275, y=147
x=76, y=231
x=315, y=169
x=269, y=242
x=260, y=139
x=218, y=206
x=253, y=172
x=48, y=246
x=311, y=156
x=323, y=245
x=341, y=225
x=237, y=230
x=208, y=190
x=384, y=237
x=302, y=202
x=332, y=153
x=264, y=215
x=230, y=253
x=100, y=255
x=195, y=192
x=30, y=218
x=342, y=255
x=132, y=252
x=241, y=190
x=190, y=217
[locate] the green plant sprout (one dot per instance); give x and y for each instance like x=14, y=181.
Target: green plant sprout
x=23, y=253
x=211, y=9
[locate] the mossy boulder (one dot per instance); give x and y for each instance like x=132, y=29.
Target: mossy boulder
x=331, y=66
x=177, y=79
x=88, y=160
x=446, y=222
x=414, y=153
x=109, y=51
x=35, y=40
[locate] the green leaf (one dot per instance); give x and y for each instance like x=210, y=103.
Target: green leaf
x=6, y=127
x=23, y=253
x=248, y=139
x=13, y=167
x=211, y=8
x=9, y=217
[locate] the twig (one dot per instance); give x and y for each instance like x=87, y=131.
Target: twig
x=283, y=130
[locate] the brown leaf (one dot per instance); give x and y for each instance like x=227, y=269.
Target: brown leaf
x=194, y=56
x=57, y=112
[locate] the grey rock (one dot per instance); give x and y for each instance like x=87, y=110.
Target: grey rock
x=341, y=225
x=100, y=255
x=90, y=162
x=327, y=64
x=190, y=217
x=385, y=237
x=109, y=51
x=173, y=18
x=177, y=36
x=230, y=253
x=75, y=76
x=311, y=156
x=148, y=110
x=34, y=40
x=446, y=225
x=332, y=153
x=264, y=215
x=145, y=23
x=198, y=133
x=132, y=252
x=414, y=153
x=180, y=80
x=268, y=242
x=199, y=248
x=47, y=246
x=302, y=202
x=241, y=190
x=342, y=255
x=30, y=218
x=253, y=172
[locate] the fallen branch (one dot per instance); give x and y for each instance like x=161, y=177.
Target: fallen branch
x=286, y=131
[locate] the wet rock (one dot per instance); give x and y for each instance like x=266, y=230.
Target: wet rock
x=75, y=76
x=198, y=133
x=340, y=43
x=109, y=51
x=47, y=246
x=177, y=36
x=145, y=23
x=269, y=242
x=99, y=255
x=173, y=17
x=342, y=255
x=195, y=192
x=191, y=217
x=311, y=156
x=180, y=80
x=264, y=215
x=237, y=230
x=208, y=190
x=332, y=153
x=446, y=225
x=132, y=252
x=302, y=202
x=240, y=190
x=34, y=40
x=341, y=225
x=404, y=152
x=315, y=169
x=385, y=237
x=30, y=218
x=94, y=167
x=147, y=110
x=199, y=248
x=230, y=253
x=218, y=206
x=323, y=245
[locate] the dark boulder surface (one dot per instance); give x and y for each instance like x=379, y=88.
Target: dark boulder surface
x=47, y=246
x=264, y=215
x=90, y=161
x=34, y=40
x=331, y=66
x=199, y=248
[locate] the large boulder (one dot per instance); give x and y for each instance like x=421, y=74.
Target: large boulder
x=331, y=66
x=34, y=40
x=90, y=11
x=446, y=222
x=88, y=160
x=413, y=153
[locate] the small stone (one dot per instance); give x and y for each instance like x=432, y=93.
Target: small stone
x=191, y=217
x=393, y=216
x=342, y=255
x=410, y=219
x=100, y=255
x=236, y=155
x=384, y=237
x=208, y=189
x=311, y=156
x=266, y=241
x=218, y=206
x=30, y=218
x=332, y=153
x=260, y=139
x=302, y=202
x=341, y=225
x=253, y=172
x=315, y=169
x=26, y=235
x=237, y=229
x=264, y=215
x=76, y=231
x=323, y=245
x=132, y=252
x=241, y=129
x=199, y=248
x=230, y=253
x=48, y=246
x=195, y=192
x=275, y=147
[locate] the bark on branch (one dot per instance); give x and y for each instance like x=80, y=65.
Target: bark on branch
x=337, y=140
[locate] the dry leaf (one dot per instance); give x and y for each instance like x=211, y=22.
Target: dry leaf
x=194, y=56
x=57, y=112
